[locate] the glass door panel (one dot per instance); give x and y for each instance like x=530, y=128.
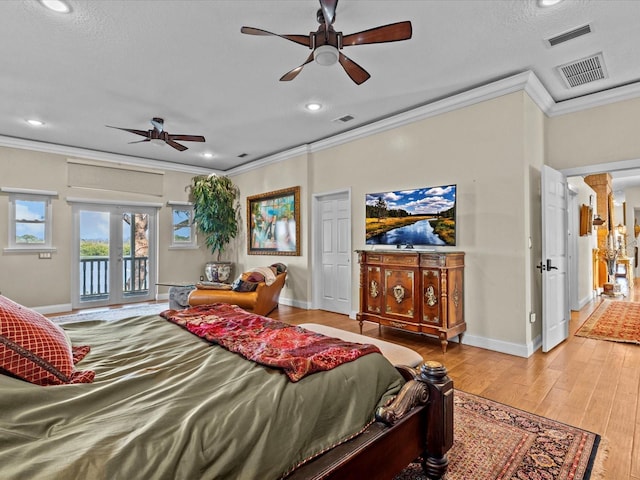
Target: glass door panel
x=135, y=254
x=115, y=260
x=95, y=248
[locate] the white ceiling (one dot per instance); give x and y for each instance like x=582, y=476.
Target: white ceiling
x=123, y=62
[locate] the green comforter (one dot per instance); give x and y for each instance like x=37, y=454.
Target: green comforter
x=167, y=405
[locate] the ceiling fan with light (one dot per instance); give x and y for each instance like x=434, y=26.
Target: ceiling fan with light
x=159, y=136
x=326, y=44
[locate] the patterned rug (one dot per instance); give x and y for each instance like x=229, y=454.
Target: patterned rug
x=616, y=321
x=493, y=441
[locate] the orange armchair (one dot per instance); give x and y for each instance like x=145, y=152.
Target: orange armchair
x=262, y=301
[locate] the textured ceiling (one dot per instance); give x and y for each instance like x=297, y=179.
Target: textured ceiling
x=123, y=62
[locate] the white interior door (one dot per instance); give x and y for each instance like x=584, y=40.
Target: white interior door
x=114, y=255
x=333, y=266
x=554, y=265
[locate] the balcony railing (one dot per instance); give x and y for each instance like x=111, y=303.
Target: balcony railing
x=94, y=276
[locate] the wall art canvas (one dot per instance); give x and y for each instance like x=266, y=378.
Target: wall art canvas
x=273, y=222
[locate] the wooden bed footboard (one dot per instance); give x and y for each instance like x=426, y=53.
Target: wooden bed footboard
x=418, y=423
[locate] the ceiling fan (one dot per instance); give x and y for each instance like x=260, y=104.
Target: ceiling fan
x=326, y=44
x=159, y=136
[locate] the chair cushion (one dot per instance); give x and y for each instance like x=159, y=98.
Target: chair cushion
x=244, y=286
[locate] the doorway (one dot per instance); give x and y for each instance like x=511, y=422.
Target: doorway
x=332, y=251
x=114, y=254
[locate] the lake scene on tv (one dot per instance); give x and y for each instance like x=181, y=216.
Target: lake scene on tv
x=418, y=217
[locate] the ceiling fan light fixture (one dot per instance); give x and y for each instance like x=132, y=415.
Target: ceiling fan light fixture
x=325, y=55
x=548, y=3
x=57, y=6
x=158, y=142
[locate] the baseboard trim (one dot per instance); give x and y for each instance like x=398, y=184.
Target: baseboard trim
x=295, y=303
x=500, y=346
x=49, y=309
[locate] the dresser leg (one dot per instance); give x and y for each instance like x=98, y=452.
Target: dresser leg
x=444, y=342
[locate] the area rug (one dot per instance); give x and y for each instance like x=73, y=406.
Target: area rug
x=134, y=310
x=493, y=441
x=616, y=321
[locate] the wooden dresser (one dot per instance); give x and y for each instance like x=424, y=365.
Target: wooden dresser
x=421, y=292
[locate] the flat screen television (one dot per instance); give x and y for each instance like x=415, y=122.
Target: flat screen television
x=417, y=217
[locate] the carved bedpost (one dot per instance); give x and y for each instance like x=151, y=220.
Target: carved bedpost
x=440, y=419
x=429, y=385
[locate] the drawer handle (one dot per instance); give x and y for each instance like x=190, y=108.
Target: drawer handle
x=398, y=325
x=373, y=289
x=430, y=296
x=398, y=293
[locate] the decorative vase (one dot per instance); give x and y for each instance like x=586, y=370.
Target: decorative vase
x=218, y=271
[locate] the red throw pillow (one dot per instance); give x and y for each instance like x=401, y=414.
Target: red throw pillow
x=35, y=349
x=255, y=277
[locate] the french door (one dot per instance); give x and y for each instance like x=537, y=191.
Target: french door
x=114, y=258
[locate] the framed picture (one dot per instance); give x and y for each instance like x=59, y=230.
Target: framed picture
x=273, y=223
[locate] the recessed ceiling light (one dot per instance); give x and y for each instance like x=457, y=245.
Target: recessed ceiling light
x=548, y=3
x=56, y=5
x=35, y=123
x=313, y=107
x=207, y=155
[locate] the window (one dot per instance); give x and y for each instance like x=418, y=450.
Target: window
x=183, y=229
x=30, y=220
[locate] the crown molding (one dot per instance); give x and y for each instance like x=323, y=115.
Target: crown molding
x=524, y=81
x=618, y=94
x=76, y=152
x=302, y=150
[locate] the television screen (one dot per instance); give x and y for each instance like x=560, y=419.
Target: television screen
x=420, y=217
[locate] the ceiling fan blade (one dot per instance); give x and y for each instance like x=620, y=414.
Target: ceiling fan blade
x=393, y=32
x=187, y=138
x=329, y=11
x=175, y=145
x=144, y=133
x=301, y=39
x=290, y=75
x=356, y=72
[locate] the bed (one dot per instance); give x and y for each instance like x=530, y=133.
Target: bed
x=165, y=404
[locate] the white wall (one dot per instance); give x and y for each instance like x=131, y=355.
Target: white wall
x=586, y=243
x=480, y=148
x=46, y=283
x=289, y=173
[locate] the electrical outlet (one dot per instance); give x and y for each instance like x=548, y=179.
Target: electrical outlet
x=532, y=317
x=46, y=255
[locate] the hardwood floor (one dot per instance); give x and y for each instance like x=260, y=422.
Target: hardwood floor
x=591, y=384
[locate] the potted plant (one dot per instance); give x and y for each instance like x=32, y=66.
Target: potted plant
x=216, y=213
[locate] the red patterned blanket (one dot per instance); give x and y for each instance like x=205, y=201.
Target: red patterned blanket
x=269, y=342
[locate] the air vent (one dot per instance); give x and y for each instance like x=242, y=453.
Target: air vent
x=583, y=71
x=344, y=119
x=242, y=155
x=570, y=35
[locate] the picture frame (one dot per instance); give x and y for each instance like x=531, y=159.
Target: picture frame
x=273, y=223
x=586, y=220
